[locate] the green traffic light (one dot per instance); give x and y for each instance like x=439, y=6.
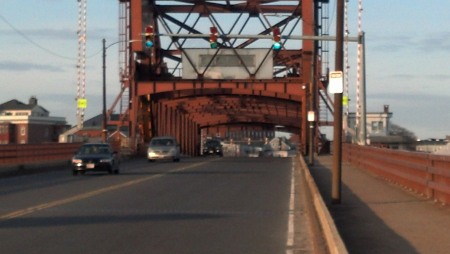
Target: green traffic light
x=213, y=45
x=148, y=44
x=276, y=46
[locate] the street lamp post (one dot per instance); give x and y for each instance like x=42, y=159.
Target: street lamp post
x=104, y=125
x=105, y=120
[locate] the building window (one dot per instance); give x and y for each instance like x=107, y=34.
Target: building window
x=380, y=126
x=377, y=126
x=3, y=129
x=23, y=130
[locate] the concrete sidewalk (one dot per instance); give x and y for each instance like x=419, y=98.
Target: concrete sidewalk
x=376, y=216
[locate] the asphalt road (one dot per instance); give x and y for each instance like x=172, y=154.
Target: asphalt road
x=199, y=205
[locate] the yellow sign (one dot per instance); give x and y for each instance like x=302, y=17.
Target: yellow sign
x=81, y=103
x=345, y=100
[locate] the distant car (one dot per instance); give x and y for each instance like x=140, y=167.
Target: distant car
x=212, y=147
x=163, y=148
x=95, y=157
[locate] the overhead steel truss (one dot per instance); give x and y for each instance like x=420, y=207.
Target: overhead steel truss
x=163, y=103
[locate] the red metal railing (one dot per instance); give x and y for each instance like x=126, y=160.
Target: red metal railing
x=426, y=174
x=15, y=155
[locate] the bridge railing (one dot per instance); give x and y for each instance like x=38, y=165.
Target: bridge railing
x=425, y=174
x=17, y=155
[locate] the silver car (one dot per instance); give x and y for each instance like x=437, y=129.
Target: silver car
x=163, y=148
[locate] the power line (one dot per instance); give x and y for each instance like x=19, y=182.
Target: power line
x=34, y=43
x=27, y=38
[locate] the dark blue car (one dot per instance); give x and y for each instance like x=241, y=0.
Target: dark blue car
x=95, y=157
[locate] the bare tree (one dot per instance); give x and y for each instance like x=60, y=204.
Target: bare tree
x=397, y=130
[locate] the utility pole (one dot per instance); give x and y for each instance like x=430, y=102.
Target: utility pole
x=337, y=139
x=105, y=120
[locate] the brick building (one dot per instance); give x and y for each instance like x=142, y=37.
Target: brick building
x=30, y=123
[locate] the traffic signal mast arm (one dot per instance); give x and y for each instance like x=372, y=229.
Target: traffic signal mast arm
x=213, y=36
x=260, y=36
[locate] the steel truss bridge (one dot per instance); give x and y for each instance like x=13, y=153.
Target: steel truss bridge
x=182, y=87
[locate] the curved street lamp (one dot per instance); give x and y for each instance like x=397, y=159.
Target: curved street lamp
x=105, y=121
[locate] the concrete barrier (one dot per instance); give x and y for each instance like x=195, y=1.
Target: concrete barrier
x=331, y=235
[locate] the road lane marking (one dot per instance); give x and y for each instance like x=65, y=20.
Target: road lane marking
x=40, y=207
x=291, y=232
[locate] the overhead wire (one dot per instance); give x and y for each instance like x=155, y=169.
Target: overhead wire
x=37, y=45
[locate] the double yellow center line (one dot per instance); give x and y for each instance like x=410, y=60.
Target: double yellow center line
x=40, y=207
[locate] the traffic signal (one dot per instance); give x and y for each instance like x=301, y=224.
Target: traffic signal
x=213, y=37
x=276, y=39
x=149, y=36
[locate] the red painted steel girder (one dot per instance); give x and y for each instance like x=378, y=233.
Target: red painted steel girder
x=218, y=110
x=291, y=89
x=215, y=103
x=251, y=6
x=163, y=100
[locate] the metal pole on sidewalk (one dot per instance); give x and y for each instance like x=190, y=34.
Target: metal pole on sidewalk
x=337, y=135
x=104, y=124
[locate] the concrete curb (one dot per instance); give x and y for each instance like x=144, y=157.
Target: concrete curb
x=332, y=237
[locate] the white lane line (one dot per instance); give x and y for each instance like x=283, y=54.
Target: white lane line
x=290, y=233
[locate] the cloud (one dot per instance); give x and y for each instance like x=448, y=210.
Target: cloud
x=439, y=77
x=402, y=76
x=430, y=42
x=389, y=44
x=411, y=96
x=26, y=66
x=407, y=77
x=435, y=42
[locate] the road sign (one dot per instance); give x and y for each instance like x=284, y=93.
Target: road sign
x=345, y=100
x=81, y=103
x=336, y=82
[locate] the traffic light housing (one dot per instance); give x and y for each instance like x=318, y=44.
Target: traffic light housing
x=213, y=37
x=149, y=35
x=276, y=39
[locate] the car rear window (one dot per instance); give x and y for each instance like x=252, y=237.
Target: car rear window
x=213, y=142
x=162, y=142
x=94, y=149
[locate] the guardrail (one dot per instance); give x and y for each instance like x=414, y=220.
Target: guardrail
x=425, y=174
x=21, y=155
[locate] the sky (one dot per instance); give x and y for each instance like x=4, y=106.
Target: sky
x=407, y=54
